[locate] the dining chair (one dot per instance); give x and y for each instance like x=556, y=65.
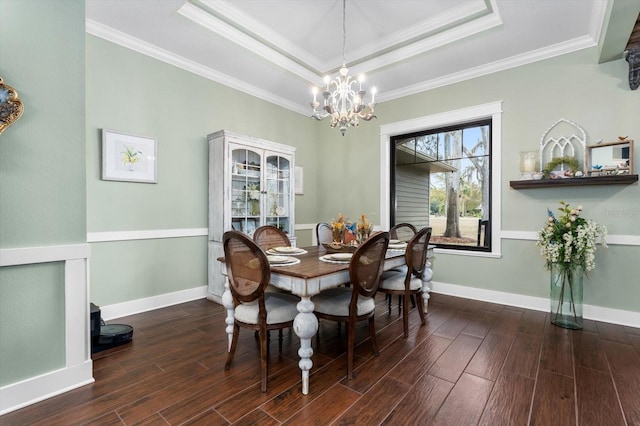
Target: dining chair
x=268, y=237
x=402, y=231
x=356, y=303
x=249, y=272
x=324, y=233
x=407, y=280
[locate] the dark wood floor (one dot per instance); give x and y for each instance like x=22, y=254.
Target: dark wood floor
x=473, y=363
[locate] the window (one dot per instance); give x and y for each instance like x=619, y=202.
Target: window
x=421, y=154
x=441, y=178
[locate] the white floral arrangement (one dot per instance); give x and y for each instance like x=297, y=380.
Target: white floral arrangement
x=254, y=191
x=570, y=240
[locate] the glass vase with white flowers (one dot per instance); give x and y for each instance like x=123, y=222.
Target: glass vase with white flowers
x=568, y=245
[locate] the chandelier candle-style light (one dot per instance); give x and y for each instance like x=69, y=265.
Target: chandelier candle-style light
x=341, y=101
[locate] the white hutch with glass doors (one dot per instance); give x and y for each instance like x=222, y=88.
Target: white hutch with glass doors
x=250, y=185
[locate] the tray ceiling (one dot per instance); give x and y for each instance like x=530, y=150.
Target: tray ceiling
x=278, y=49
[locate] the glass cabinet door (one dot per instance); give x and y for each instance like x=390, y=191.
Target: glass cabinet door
x=246, y=206
x=278, y=197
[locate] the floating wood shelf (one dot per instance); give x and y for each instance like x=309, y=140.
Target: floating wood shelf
x=583, y=181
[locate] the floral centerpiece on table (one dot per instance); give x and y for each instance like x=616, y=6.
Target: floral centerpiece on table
x=568, y=245
x=363, y=228
x=338, y=228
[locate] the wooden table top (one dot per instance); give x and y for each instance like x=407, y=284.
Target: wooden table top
x=311, y=266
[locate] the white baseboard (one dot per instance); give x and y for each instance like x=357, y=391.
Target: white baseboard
x=20, y=394
x=596, y=313
x=137, y=306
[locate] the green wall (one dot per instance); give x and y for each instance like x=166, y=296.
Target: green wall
x=136, y=94
x=42, y=176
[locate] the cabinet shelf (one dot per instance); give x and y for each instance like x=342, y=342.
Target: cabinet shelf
x=582, y=181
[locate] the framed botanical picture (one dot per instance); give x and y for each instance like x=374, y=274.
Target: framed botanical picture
x=128, y=158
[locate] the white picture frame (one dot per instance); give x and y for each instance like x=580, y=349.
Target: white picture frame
x=129, y=158
x=298, y=181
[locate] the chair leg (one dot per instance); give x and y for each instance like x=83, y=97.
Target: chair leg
x=280, y=340
x=232, y=349
x=372, y=335
x=350, y=349
x=420, y=303
x=389, y=299
x=405, y=315
x=263, y=358
x=399, y=304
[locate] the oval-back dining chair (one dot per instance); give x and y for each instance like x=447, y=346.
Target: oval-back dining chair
x=402, y=232
x=356, y=303
x=268, y=237
x=407, y=280
x=323, y=233
x=249, y=272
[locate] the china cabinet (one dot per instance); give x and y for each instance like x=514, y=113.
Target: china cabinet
x=251, y=183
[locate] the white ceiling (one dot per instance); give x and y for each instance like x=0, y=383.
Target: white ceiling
x=278, y=49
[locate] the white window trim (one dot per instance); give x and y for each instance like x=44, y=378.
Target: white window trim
x=491, y=110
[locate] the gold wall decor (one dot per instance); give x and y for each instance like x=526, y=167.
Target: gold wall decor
x=10, y=106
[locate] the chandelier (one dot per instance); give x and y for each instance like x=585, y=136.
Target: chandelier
x=341, y=101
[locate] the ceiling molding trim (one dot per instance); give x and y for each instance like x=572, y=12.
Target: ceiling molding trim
x=455, y=34
x=137, y=45
x=245, y=41
x=315, y=67
x=255, y=27
x=414, y=38
x=548, y=52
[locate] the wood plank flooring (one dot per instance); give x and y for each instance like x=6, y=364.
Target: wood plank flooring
x=472, y=363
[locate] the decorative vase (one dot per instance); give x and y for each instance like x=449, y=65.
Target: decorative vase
x=255, y=208
x=566, y=296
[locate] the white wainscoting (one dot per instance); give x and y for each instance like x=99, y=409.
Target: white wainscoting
x=613, y=239
x=596, y=313
x=78, y=370
x=118, y=310
x=152, y=234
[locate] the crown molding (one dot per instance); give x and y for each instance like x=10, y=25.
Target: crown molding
x=456, y=33
x=247, y=25
x=262, y=41
x=137, y=45
x=244, y=40
x=569, y=46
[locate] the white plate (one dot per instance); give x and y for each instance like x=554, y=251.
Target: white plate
x=280, y=211
x=327, y=258
x=394, y=241
x=340, y=256
x=400, y=246
x=280, y=259
x=287, y=249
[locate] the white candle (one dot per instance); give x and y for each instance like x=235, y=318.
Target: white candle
x=529, y=165
x=315, y=92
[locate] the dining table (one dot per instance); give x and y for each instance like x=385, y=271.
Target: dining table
x=313, y=272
